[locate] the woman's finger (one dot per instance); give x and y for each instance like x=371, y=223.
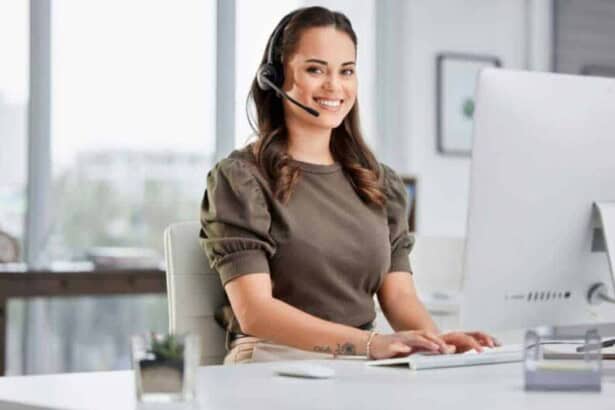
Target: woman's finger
x=437, y=340
x=473, y=343
x=399, y=348
x=418, y=341
x=463, y=342
x=483, y=338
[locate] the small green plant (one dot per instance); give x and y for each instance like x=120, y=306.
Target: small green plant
x=468, y=108
x=167, y=347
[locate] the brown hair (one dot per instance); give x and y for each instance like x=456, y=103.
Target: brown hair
x=347, y=144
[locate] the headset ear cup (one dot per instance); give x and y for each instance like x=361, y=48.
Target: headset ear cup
x=267, y=71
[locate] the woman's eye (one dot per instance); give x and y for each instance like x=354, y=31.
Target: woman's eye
x=314, y=70
x=348, y=72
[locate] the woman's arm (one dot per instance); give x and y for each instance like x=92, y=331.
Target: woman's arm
x=401, y=305
x=405, y=311
x=261, y=315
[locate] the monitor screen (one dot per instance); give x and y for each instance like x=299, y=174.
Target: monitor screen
x=543, y=153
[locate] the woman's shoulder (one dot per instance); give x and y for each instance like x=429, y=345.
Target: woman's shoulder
x=243, y=156
x=393, y=186
x=241, y=160
x=388, y=176
x=240, y=168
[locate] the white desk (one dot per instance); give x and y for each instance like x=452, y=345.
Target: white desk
x=356, y=386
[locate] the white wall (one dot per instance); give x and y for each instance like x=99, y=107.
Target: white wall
x=491, y=27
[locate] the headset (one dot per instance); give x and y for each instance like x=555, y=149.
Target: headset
x=270, y=76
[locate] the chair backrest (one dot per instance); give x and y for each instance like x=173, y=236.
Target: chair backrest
x=194, y=290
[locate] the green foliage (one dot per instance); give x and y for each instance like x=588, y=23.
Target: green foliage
x=468, y=108
x=167, y=347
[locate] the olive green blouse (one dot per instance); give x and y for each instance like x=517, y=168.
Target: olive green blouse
x=326, y=250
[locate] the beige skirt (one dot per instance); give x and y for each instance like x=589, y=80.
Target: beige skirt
x=254, y=350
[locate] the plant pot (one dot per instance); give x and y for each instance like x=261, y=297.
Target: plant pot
x=161, y=376
x=165, y=366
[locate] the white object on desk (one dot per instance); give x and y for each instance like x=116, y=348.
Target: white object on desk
x=420, y=361
x=305, y=369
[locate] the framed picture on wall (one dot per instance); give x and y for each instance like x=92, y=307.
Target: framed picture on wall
x=456, y=77
x=410, y=183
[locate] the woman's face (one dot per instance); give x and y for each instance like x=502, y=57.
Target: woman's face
x=321, y=74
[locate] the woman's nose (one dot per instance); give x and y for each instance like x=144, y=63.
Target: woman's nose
x=332, y=82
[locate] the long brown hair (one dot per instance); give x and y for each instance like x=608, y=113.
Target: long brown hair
x=347, y=145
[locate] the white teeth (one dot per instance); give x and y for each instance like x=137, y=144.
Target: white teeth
x=329, y=103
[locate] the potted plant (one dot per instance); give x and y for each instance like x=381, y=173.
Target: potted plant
x=161, y=368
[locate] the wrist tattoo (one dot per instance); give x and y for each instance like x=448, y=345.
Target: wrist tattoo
x=346, y=349
x=322, y=349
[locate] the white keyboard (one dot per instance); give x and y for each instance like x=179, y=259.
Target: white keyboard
x=418, y=361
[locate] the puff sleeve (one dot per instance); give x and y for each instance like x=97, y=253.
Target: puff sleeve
x=235, y=221
x=397, y=218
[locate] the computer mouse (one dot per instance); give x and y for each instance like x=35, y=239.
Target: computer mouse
x=306, y=370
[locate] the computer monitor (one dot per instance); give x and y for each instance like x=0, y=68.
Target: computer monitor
x=543, y=153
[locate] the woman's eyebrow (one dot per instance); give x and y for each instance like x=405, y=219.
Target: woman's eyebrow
x=315, y=60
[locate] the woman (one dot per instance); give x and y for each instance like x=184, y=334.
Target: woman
x=304, y=226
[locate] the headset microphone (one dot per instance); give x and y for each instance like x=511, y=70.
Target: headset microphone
x=269, y=75
x=289, y=98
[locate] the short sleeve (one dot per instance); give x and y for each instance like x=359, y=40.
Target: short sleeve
x=397, y=217
x=235, y=221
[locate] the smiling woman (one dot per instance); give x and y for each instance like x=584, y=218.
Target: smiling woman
x=304, y=226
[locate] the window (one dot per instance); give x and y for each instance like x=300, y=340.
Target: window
x=14, y=19
x=132, y=137
x=132, y=121
x=53, y=335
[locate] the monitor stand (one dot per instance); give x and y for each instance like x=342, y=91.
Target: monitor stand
x=604, y=240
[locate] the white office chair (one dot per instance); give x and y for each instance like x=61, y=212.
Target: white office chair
x=194, y=290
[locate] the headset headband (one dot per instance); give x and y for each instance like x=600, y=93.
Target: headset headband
x=274, y=36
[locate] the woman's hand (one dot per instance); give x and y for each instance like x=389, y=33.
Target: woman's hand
x=403, y=343
x=464, y=341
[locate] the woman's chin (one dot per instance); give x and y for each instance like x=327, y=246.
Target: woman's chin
x=329, y=121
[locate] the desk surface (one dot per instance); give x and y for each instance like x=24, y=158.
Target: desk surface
x=356, y=386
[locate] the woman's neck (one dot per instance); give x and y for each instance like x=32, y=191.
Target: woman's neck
x=310, y=146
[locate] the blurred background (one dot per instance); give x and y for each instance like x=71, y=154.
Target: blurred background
x=112, y=112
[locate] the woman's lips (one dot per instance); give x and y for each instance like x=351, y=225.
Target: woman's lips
x=329, y=104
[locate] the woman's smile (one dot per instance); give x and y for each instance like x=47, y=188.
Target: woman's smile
x=329, y=104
